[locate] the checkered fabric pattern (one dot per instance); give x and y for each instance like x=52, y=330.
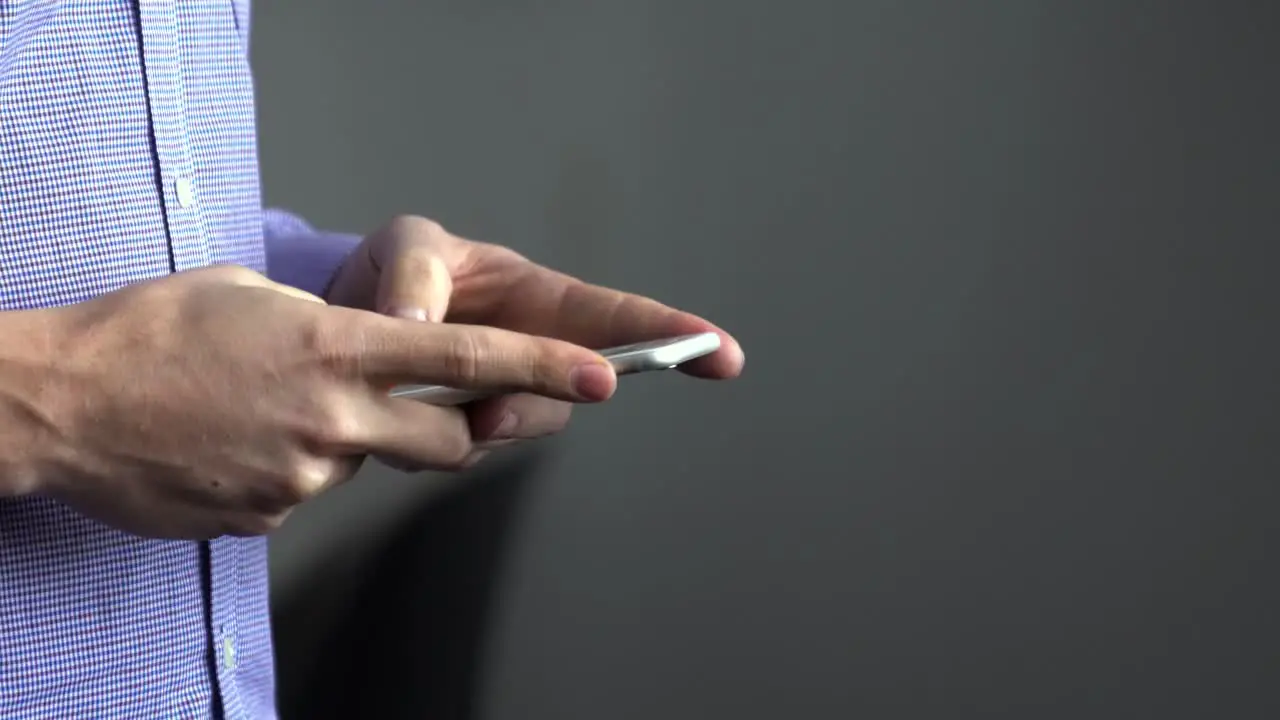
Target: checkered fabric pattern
x=128, y=151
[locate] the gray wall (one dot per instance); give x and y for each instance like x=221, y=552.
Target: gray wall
x=1003, y=275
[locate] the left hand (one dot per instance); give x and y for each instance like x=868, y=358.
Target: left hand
x=413, y=268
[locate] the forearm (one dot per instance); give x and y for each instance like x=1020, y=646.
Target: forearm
x=300, y=256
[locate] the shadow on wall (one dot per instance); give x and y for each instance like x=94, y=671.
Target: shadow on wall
x=409, y=644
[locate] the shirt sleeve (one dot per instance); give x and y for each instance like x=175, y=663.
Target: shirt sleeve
x=300, y=256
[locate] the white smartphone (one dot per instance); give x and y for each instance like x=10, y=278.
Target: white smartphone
x=626, y=360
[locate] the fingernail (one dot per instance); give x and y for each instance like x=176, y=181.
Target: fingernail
x=418, y=314
x=505, y=428
x=592, y=381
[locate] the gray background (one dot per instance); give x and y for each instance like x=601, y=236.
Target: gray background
x=1003, y=274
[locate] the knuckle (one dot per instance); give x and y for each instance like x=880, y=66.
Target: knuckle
x=417, y=226
x=317, y=335
x=543, y=368
x=302, y=481
x=333, y=425
x=548, y=361
x=333, y=344
x=292, y=490
x=463, y=358
x=502, y=254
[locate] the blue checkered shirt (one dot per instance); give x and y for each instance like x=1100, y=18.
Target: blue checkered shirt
x=128, y=151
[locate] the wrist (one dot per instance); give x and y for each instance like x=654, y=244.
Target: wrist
x=28, y=382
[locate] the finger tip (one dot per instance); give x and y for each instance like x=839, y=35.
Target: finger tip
x=594, y=381
x=609, y=385
x=734, y=357
x=729, y=357
x=726, y=363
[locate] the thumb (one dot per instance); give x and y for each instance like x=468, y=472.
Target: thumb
x=415, y=285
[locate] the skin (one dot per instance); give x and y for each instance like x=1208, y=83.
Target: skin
x=413, y=268
x=214, y=401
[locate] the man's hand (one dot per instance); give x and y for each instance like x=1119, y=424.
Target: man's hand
x=211, y=402
x=413, y=268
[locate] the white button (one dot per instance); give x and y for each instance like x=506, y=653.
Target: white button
x=186, y=195
x=228, y=652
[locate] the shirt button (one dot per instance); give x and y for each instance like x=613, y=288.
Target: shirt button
x=186, y=194
x=228, y=652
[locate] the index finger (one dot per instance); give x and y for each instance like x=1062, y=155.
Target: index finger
x=389, y=351
x=600, y=317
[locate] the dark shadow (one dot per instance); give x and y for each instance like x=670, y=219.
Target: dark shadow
x=410, y=646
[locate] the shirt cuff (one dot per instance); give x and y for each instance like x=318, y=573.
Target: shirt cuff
x=300, y=256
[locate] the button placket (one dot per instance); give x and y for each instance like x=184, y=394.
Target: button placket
x=189, y=244
x=224, y=568
x=188, y=238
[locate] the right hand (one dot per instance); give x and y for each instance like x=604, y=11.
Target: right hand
x=211, y=402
